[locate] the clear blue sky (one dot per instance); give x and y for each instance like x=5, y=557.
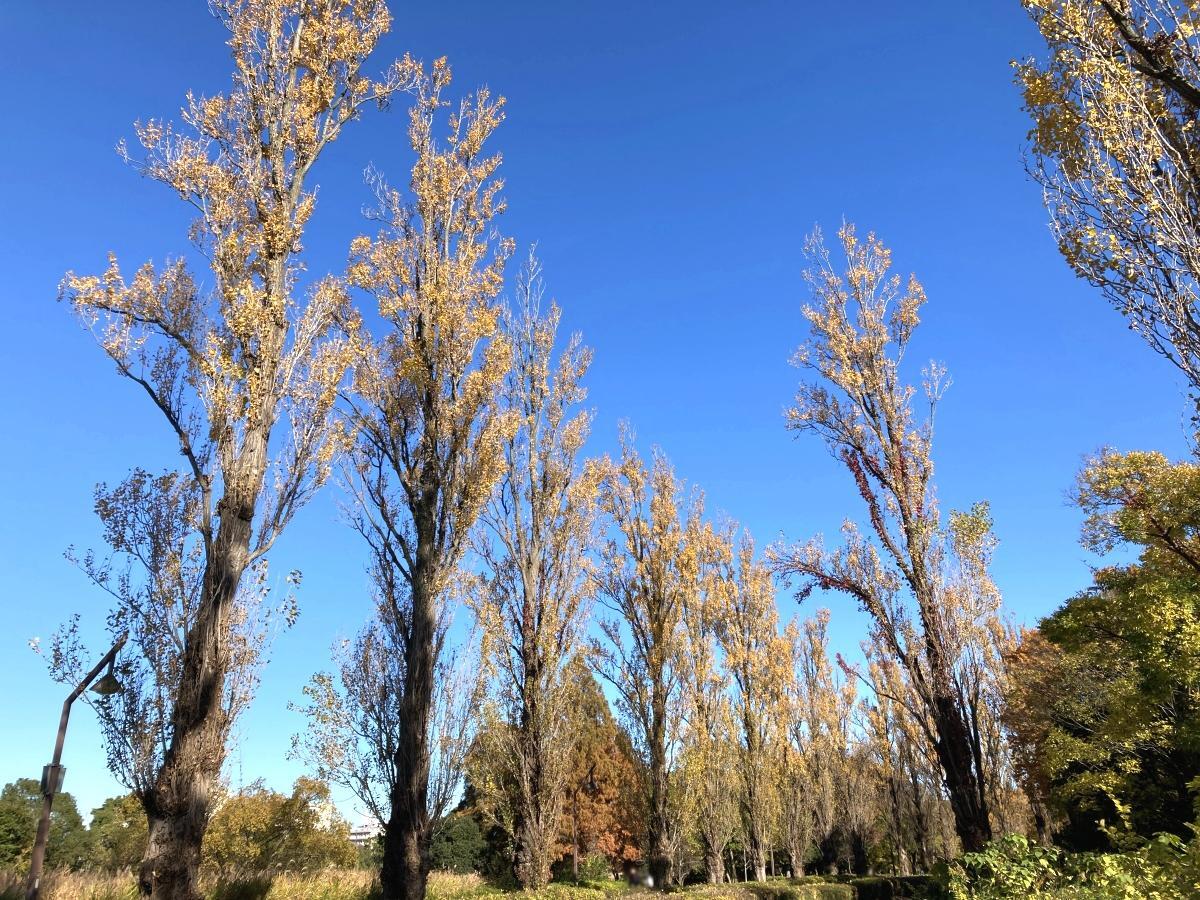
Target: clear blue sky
x=668, y=158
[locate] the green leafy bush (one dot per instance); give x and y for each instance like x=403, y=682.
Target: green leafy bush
x=595, y=868
x=457, y=845
x=895, y=887
x=1011, y=868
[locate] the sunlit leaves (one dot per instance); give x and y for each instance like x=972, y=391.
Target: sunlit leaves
x=1114, y=145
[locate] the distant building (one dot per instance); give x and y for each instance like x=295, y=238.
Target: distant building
x=363, y=834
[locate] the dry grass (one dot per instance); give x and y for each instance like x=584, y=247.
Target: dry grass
x=778, y=890
x=333, y=884
x=71, y=886
x=339, y=884
x=357, y=884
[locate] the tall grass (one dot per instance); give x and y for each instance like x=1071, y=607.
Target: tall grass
x=66, y=885
x=330, y=884
x=327, y=884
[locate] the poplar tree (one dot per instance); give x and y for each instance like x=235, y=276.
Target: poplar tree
x=916, y=577
x=709, y=752
x=424, y=407
x=646, y=575
x=1114, y=146
x=243, y=365
x=759, y=663
x=537, y=591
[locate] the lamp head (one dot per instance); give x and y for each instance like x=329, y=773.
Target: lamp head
x=108, y=685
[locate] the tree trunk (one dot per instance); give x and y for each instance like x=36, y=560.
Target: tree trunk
x=531, y=862
x=658, y=856
x=537, y=809
x=860, y=862
x=759, y=861
x=575, y=833
x=1039, y=818
x=172, y=859
x=406, y=835
x=963, y=784
x=714, y=863
x=658, y=853
x=902, y=864
x=758, y=856
x=750, y=819
x=177, y=806
x=796, y=855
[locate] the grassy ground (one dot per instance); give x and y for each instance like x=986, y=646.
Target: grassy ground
x=354, y=884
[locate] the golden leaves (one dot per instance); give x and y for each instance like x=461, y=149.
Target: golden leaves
x=1114, y=147
x=426, y=391
x=224, y=365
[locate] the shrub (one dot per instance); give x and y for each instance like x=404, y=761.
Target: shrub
x=896, y=887
x=595, y=868
x=1013, y=869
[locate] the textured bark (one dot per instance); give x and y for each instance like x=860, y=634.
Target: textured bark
x=895, y=807
x=1040, y=819
x=406, y=835
x=920, y=822
x=658, y=854
x=756, y=845
x=535, y=821
x=964, y=786
x=714, y=864
x=752, y=820
x=532, y=829
x=957, y=751
x=178, y=804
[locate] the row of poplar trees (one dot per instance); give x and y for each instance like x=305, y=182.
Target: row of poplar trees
x=458, y=431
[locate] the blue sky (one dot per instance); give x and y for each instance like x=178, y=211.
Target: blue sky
x=668, y=159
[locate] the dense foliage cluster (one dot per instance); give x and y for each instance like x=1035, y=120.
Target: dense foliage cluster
x=252, y=832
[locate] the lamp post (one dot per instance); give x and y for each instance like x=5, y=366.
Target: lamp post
x=52, y=775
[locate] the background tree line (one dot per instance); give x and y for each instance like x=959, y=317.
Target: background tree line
x=251, y=831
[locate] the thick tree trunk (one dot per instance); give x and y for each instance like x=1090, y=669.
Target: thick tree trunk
x=658, y=857
x=751, y=814
x=714, y=863
x=537, y=811
x=531, y=862
x=920, y=822
x=406, y=835
x=405, y=868
x=532, y=838
x=860, y=862
x=758, y=859
x=177, y=806
x=963, y=783
x=957, y=752
x=901, y=861
x=796, y=854
x=172, y=859
x=1040, y=819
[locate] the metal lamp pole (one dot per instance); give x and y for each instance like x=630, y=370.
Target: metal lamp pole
x=52, y=775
